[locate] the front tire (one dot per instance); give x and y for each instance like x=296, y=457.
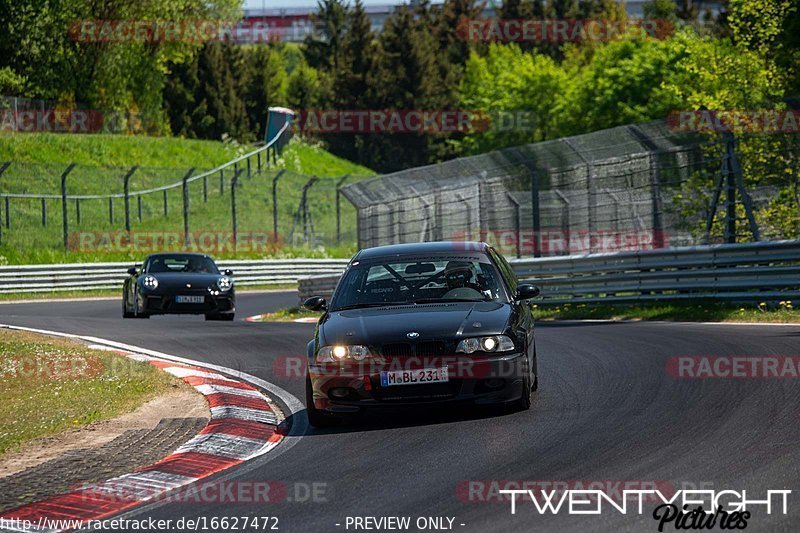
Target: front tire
x=125, y=312
x=317, y=418
x=524, y=402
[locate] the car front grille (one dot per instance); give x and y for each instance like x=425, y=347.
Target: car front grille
x=419, y=349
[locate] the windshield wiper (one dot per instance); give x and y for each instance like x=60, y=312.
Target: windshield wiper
x=445, y=300
x=362, y=305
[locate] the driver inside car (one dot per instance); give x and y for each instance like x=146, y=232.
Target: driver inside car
x=458, y=276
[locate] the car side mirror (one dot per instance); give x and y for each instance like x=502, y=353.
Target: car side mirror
x=133, y=271
x=228, y=272
x=316, y=303
x=526, y=292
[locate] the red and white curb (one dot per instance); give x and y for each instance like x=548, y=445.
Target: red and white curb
x=244, y=425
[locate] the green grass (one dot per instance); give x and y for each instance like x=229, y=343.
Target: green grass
x=700, y=312
x=114, y=150
x=117, y=293
x=41, y=158
x=288, y=315
x=49, y=385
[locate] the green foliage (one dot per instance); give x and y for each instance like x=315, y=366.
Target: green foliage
x=121, y=76
x=510, y=80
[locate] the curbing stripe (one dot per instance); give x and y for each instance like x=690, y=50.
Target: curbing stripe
x=244, y=413
x=244, y=425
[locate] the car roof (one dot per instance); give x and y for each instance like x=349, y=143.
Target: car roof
x=195, y=254
x=423, y=248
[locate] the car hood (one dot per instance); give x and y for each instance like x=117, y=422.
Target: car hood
x=379, y=325
x=180, y=279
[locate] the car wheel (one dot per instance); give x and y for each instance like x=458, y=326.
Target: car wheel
x=524, y=402
x=125, y=312
x=317, y=418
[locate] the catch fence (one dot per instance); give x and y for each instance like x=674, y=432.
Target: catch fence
x=634, y=187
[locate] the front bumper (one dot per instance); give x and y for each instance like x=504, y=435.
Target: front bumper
x=163, y=304
x=476, y=380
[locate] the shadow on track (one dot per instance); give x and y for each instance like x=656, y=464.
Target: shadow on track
x=405, y=417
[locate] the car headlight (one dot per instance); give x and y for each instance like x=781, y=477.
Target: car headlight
x=332, y=354
x=495, y=343
x=149, y=282
x=224, y=283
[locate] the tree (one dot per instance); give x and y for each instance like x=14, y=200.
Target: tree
x=521, y=94
x=265, y=86
x=322, y=50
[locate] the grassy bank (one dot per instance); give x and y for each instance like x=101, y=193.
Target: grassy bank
x=103, y=160
x=706, y=312
x=51, y=385
x=117, y=293
x=703, y=312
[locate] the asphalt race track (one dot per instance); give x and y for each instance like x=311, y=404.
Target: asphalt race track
x=607, y=410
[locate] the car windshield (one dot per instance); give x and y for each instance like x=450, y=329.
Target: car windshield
x=197, y=264
x=415, y=280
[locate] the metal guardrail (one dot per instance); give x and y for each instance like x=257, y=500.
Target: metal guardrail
x=95, y=276
x=763, y=272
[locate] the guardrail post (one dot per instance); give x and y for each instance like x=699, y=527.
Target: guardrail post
x=186, y=207
x=110, y=210
x=304, y=206
x=44, y=213
x=655, y=185
x=64, y=220
x=249, y=172
x=517, y=228
x=166, y=209
x=339, y=208
x=258, y=160
x=536, y=224
x=205, y=189
x=139, y=206
x=126, y=191
x=222, y=182
x=736, y=169
x=8, y=213
x=275, y=204
x=591, y=195
x=234, y=182
x=78, y=210
x=730, y=193
x=3, y=169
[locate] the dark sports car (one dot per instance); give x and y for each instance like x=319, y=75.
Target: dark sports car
x=417, y=324
x=179, y=283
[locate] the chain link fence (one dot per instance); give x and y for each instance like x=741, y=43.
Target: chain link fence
x=633, y=187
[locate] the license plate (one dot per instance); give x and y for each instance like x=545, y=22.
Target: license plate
x=414, y=377
x=189, y=299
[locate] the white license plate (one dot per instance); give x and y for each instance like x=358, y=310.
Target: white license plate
x=189, y=299
x=414, y=377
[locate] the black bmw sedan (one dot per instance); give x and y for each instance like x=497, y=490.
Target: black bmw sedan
x=179, y=283
x=420, y=324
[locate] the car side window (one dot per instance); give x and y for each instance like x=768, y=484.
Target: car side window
x=505, y=270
